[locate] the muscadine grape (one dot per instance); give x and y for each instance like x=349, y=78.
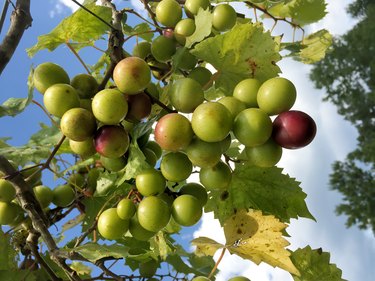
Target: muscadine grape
x=139, y=107
x=78, y=124
x=63, y=195
x=113, y=164
x=150, y=156
x=84, y=148
x=163, y=48
x=186, y=210
x=196, y=190
x=234, y=105
x=138, y=232
x=188, y=60
x=246, y=91
x=224, y=17
x=142, y=50
x=201, y=278
x=59, y=98
x=173, y=132
x=176, y=166
x=85, y=84
x=184, y=28
x=153, y=145
x=109, y=106
x=48, y=74
x=192, y=6
x=77, y=180
x=44, y=195
x=239, y=278
x=252, y=127
x=111, y=226
x=150, y=182
x=168, y=12
x=202, y=75
x=276, y=95
x=186, y=94
x=131, y=75
x=217, y=177
x=211, y=121
x=7, y=191
x=267, y=154
x=153, y=213
x=126, y=209
x=8, y=213
x=204, y=154
x=111, y=141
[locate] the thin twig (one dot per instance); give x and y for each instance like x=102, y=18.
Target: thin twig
x=54, y=151
x=159, y=103
x=46, y=112
x=217, y=263
x=78, y=57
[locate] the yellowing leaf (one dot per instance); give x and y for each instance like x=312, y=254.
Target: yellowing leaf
x=315, y=46
x=258, y=238
x=206, y=246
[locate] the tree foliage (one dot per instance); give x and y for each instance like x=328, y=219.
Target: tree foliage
x=347, y=74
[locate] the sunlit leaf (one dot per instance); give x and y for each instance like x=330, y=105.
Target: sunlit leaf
x=203, y=26
x=307, y=11
x=95, y=251
x=81, y=269
x=206, y=246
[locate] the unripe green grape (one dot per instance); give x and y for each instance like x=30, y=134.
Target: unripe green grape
x=9, y=212
x=239, y=278
x=264, y=155
x=150, y=156
x=110, y=226
x=7, y=191
x=176, y=166
x=84, y=148
x=203, y=154
x=148, y=269
x=196, y=190
x=48, y=74
x=140, y=107
x=109, y=106
x=126, y=209
x=186, y=94
x=163, y=48
x=63, y=195
x=153, y=145
x=85, y=84
x=76, y=180
x=234, y=105
x=113, y=164
x=150, y=182
x=252, y=127
x=44, y=195
x=168, y=12
x=153, y=213
x=32, y=174
x=276, y=95
x=78, y=124
x=211, y=121
x=167, y=198
x=142, y=49
x=187, y=60
x=59, y=98
x=202, y=75
x=192, y=6
x=217, y=177
x=246, y=91
x=225, y=143
x=138, y=232
x=131, y=75
x=152, y=90
x=186, y=210
x=224, y=17
x=184, y=28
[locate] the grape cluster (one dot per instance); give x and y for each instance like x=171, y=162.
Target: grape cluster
x=195, y=134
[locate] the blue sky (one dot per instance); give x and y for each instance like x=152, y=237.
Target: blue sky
x=352, y=250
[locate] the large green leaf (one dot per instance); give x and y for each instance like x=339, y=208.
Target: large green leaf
x=265, y=189
x=315, y=265
x=243, y=52
x=94, y=251
x=81, y=28
x=307, y=11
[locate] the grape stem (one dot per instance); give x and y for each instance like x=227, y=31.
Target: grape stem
x=158, y=102
x=217, y=263
x=78, y=57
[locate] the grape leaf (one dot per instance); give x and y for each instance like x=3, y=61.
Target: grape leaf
x=253, y=236
x=203, y=26
x=76, y=29
x=206, y=246
x=14, y=106
x=83, y=270
x=265, y=189
x=244, y=51
x=315, y=265
x=8, y=257
x=142, y=30
x=307, y=11
x=72, y=222
x=315, y=46
x=94, y=251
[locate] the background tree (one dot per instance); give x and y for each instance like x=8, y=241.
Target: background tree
x=348, y=76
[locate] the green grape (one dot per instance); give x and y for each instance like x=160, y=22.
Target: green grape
x=85, y=84
x=252, y=127
x=153, y=145
x=187, y=60
x=200, y=278
x=225, y=143
x=150, y=156
x=202, y=75
x=9, y=212
x=192, y=6
x=196, y=190
x=78, y=124
x=126, y=209
x=59, y=98
x=168, y=12
x=211, y=121
x=217, y=177
x=84, y=148
x=138, y=232
x=110, y=226
x=186, y=210
x=86, y=104
x=63, y=195
x=163, y=48
x=264, y=155
x=142, y=50
x=224, y=17
x=148, y=269
x=7, y=191
x=234, y=105
x=109, y=106
x=48, y=74
x=276, y=95
x=246, y=91
x=77, y=180
x=150, y=182
x=239, y=278
x=176, y=166
x=184, y=28
x=113, y=164
x=204, y=154
x=139, y=107
x=186, y=94
x=153, y=213
x=44, y=195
